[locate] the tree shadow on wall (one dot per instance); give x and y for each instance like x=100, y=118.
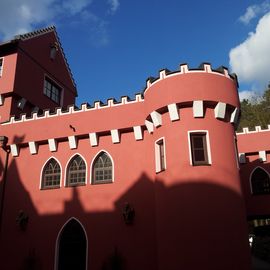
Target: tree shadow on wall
x=196, y=225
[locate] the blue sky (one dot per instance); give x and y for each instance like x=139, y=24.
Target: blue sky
x=112, y=46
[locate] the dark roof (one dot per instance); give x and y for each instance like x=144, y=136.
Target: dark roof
x=37, y=33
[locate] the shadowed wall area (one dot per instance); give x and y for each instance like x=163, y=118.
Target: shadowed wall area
x=189, y=226
x=148, y=183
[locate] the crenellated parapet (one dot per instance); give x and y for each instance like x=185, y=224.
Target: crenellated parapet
x=198, y=90
x=72, y=109
x=253, y=143
x=246, y=130
x=219, y=111
x=184, y=69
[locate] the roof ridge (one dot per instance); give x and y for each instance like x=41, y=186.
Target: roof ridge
x=65, y=59
x=35, y=33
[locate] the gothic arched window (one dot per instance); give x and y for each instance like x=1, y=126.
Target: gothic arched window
x=260, y=182
x=51, y=175
x=76, y=171
x=102, y=169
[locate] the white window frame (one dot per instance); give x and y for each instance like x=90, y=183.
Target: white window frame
x=207, y=145
x=158, y=155
x=41, y=173
x=2, y=66
x=66, y=167
x=91, y=180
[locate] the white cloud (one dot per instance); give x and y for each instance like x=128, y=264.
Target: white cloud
x=250, y=60
x=114, y=5
x=17, y=16
x=20, y=16
x=254, y=11
x=247, y=94
x=75, y=6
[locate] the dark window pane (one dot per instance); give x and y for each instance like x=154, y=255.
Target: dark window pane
x=52, y=91
x=198, y=142
x=199, y=155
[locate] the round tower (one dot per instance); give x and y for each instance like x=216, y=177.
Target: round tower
x=200, y=214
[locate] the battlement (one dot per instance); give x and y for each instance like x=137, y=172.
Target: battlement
x=184, y=69
x=257, y=129
x=147, y=113
x=72, y=109
x=125, y=100
x=137, y=126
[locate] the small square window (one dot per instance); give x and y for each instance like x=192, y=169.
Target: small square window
x=199, y=151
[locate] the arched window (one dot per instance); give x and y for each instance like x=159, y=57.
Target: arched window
x=76, y=172
x=260, y=182
x=102, y=169
x=72, y=247
x=51, y=175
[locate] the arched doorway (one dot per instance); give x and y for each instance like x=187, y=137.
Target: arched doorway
x=72, y=247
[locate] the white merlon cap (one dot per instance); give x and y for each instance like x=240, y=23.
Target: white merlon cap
x=138, y=133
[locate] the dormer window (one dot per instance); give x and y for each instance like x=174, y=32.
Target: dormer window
x=52, y=90
x=1, y=66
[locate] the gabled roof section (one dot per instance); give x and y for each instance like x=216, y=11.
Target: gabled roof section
x=35, y=33
x=40, y=32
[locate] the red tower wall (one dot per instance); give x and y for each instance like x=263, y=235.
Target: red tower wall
x=198, y=207
x=189, y=217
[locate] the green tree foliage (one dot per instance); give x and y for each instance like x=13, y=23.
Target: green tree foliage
x=255, y=112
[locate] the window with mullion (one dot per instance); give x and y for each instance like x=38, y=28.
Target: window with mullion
x=52, y=91
x=102, y=169
x=51, y=175
x=76, y=172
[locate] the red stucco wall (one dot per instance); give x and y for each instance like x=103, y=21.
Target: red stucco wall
x=187, y=217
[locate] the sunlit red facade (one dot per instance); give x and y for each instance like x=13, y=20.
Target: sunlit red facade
x=173, y=194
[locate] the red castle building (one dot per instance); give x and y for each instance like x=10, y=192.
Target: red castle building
x=158, y=182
